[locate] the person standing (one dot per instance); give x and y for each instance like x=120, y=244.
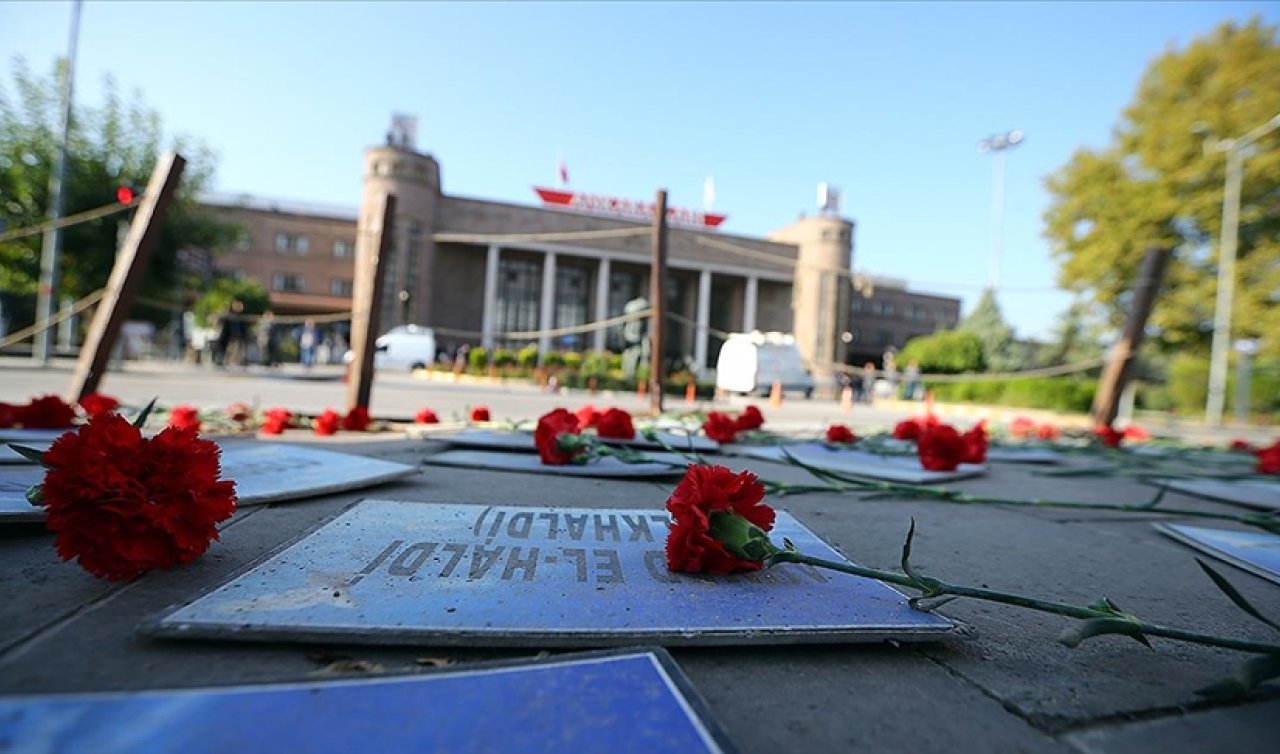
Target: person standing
x=308, y=341
x=265, y=336
x=868, y=383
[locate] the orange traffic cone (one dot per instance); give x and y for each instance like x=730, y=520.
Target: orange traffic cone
x=846, y=399
x=775, y=394
x=690, y=392
x=642, y=388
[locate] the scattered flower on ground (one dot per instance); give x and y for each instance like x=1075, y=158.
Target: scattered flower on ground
x=708, y=502
x=185, y=417
x=840, y=434
x=45, y=412
x=122, y=504
x=1109, y=436
x=546, y=437
x=1269, y=459
x=615, y=424
x=720, y=427
x=588, y=416
x=276, y=421
x=327, y=423
x=480, y=414
x=357, y=419
x=97, y=403
x=940, y=447
x=750, y=418
x=239, y=412
x=975, y=444
x=426, y=416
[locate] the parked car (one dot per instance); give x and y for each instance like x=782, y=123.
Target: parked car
x=753, y=362
x=404, y=347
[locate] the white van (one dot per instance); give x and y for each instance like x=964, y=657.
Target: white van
x=404, y=347
x=752, y=362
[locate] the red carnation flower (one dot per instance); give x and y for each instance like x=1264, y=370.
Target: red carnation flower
x=8, y=415
x=480, y=414
x=185, y=417
x=615, y=424
x=1242, y=446
x=908, y=429
x=840, y=434
x=277, y=421
x=720, y=427
x=327, y=423
x=940, y=447
x=975, y=444
x=426, y=416
x=1136, y=433
x=1047, y=432
x=357, y=419
x=750, y=418
x=1022, y=427
x=238, y=412
x=124, y=505
x=547, y=437
x=1269, y=459
x=588, y=416
x=97, y=403
x=704, y=491
x=1109, y=436
x=45, y=412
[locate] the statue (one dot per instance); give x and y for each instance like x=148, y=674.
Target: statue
x=635, y=336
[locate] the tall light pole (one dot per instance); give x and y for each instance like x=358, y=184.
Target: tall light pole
x=1235, y=149
x=998, y=144
x=47, y=291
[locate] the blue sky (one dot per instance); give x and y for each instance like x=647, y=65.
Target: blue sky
x=886, y=101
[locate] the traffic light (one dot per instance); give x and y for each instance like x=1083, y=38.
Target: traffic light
x=127, y=193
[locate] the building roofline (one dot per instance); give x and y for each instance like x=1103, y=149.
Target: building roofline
x=288, y=206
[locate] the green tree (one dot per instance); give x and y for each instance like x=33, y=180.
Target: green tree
x=118, y=142
x=945, y=352
x=225, y=290
x=999, y=349
x=1078, y=336
x=1156, y=185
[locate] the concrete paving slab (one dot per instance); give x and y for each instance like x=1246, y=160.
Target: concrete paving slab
x=1247, y=729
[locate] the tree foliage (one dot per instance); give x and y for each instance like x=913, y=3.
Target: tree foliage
x=117, y=142
x=999, y=350
x=225, y=290
x=1156, y=185
x=945, y=352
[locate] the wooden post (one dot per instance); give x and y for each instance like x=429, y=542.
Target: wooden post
x=366, y=302
x=1106, y=402
x=126, y=275
x=657, y=303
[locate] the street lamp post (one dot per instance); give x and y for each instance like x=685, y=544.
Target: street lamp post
x=998, y=144
x=1235, y=149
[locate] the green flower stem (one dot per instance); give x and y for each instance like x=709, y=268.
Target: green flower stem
x=1266, y=522
x=934, y=588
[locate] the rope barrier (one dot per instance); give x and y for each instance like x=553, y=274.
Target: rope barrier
x=1055, y=371
x=575, y=235
x=83, y=217
x=38, y=326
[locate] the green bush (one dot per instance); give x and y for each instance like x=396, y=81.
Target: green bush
x=553, y=359
x=503, y=357
x=572, y=360
x=527, y=357
x=1072, y=394
x=945, y=352
x=596, y=364
x=478, y=358
x=1188, y=387
x=615, y=362
x=223, y=291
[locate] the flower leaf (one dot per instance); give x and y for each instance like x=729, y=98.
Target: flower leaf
x=1234, y=595
x=1072, y=636
x=1249, y=674
x=35, y=495
x=141, y=419
x=31, y=454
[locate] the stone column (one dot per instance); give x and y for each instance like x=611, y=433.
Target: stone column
x=602, y=303
x=701, y=332
x=546, y=318
x=749, y=297
x=491, y=267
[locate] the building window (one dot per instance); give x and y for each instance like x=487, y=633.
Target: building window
x=340, y=287
x=884, y=309
x=623, y=287
x=288, y=242
x=858, y=303
x=343, y=248
x=919, y=313
x=883, y=338
x=571, y=302
x=519, y=296
x=286, y=282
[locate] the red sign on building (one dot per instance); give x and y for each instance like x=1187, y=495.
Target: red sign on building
x=627, y=208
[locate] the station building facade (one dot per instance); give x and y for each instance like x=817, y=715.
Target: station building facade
x=478, y=271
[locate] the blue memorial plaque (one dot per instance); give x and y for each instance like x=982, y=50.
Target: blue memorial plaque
x=263, y=473
x=387, y=572
x=1255, y=552
x=891, y=468
x=29, y=436
x=1256, y=493
x=1027, y=454
x=527, y=463
x=634, y=702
